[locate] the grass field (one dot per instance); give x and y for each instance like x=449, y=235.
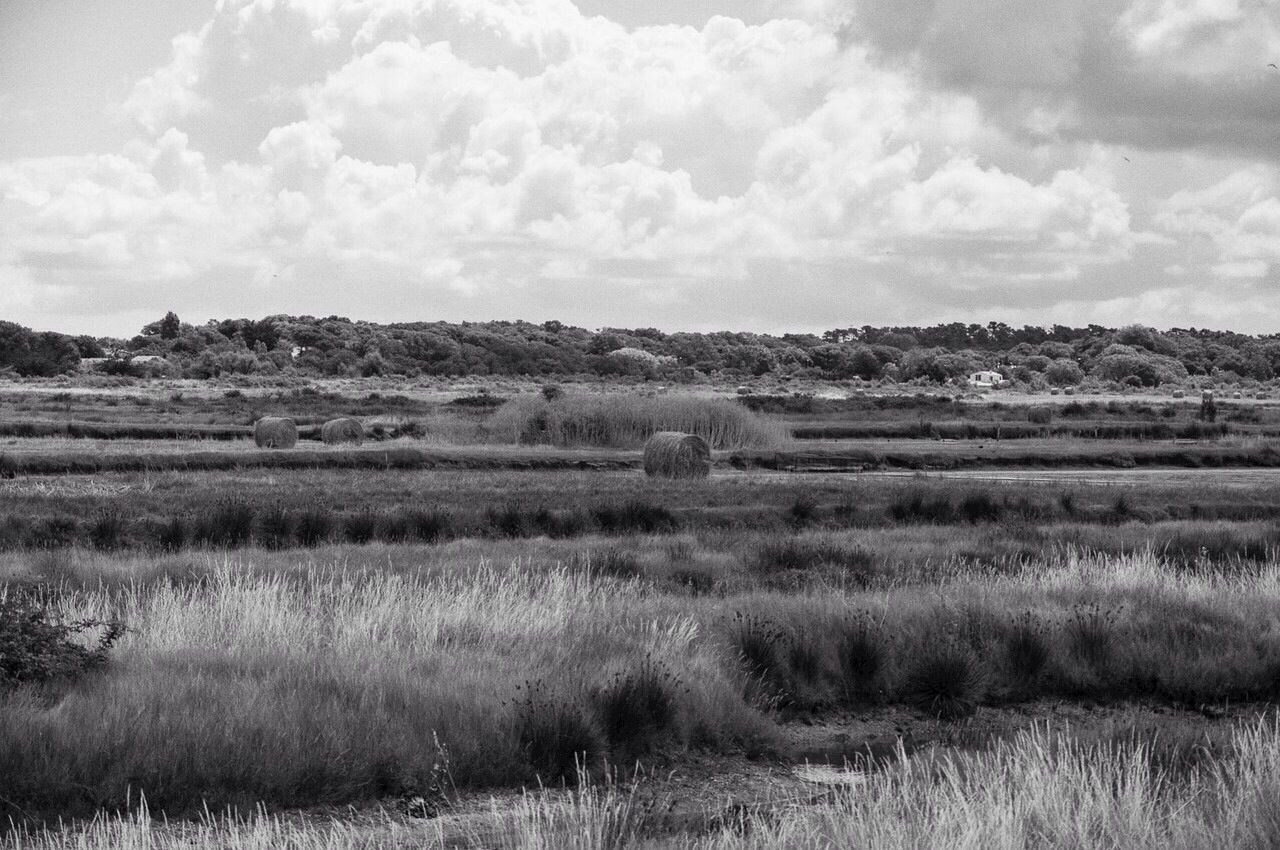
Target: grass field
x=451, y=612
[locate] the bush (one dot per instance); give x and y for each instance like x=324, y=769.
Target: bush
x=106, y=530
x=315, y=526
x=33, y=649
x=360, y=527
x=229, y=524
x=979, y=507
x=918, y=507
x=861, y=654
x=945, y=682
x=633, y=517
x=1091, y=634
x=568, y=523
x=636, y=707
x=758, y=643
x=275, y=528
x=557, y=736
x=508, y=521
x=171, y=536
x=615, y=563
x=429, y=526
x=1026, y=649
x=1040, y=415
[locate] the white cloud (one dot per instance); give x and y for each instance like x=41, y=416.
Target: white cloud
x=478, y=150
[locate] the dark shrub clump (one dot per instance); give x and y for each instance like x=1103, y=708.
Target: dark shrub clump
x=33, y=649
x=636, y=707
x=558, y=737
x=945, y=682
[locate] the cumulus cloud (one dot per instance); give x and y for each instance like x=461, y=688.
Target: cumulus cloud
x=502, y=156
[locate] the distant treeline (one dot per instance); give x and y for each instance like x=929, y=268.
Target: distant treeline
x=1032, y=356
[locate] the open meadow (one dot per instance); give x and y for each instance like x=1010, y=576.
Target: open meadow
x=486, y=626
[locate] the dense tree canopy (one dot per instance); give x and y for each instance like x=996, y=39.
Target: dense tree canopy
x=336, y=346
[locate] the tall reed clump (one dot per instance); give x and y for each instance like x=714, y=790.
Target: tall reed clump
x=624, y=421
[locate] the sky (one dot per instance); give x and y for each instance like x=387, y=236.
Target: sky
x=762, y=165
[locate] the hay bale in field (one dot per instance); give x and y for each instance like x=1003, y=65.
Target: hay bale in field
x=275, y=432
x=674, y=454
x=342, y=430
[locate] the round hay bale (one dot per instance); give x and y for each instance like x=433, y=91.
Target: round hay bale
x=673, y=454
x=275, y=432
x=342, y=430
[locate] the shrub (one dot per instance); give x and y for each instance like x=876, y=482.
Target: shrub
x=429, y=526
x=394, y=528
x=508, y=521
x=790, y=554
x=1026, y=648
x=634, y=516
x=861, y=655
x=615, y=563
x=1091, y=634
x=360, y=527
x=275, y=527
x=758, y=643
x=315, y=525
x=637, y=706
x=229, y=524
x=33, y=649
x=919, y=507
x=945, y=682
x=54, y=532
x=568, y=523
x=106, y=530
x=557, y=736
x=171, y=536
x=802, y=511
x=979, y=507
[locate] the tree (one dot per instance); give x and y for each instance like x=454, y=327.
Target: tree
x=170, y=326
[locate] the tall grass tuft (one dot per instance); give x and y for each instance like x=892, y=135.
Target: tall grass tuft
x=627, y=421
x=861, y=653
x=314, y=526
x=944, y=681
x=229, y=524
x=557, y=734
x=637, y=707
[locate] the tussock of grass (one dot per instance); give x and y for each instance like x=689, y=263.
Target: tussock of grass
x=627, y=421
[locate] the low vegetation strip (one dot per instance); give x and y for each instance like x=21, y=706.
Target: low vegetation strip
x=122, y=430
x=384, y=458
x=1068, y=455
x=1192, y=430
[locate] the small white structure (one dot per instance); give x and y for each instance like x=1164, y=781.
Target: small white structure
x=986, y=379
